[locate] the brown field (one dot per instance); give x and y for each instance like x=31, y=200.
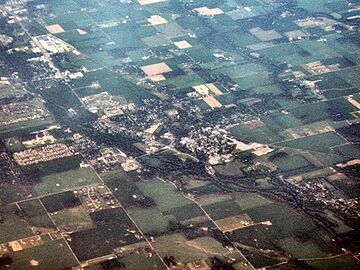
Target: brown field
x=349, y=163
x=214, y=89
x=157, y=20
x=354, y=102
x=156, y=69
x=147, y=2
x=55, y=29
x=201, y=89
x=81, y=32
x=183, y=44
x=212, y=102
x=337, y=177
x=235, y=222
x=157, y=78
x=205, y=11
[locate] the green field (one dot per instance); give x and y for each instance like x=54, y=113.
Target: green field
x=260, y=134
x=73, y=219
x=64, y=181
x=13, y=226
x=188, y=251
x=151, y=220
x=345, y=262
x=35, y=214
x=52, y=254
x=290, y=163
x=249, y=200
x=299, y=249
x=321, y=143
x=164, y=194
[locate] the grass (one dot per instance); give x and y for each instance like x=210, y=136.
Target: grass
x=212, y=198
x=279, y=121
x=66, y=180
x=183, y=81
x=254, y=80
x=113, y=229
x=321, y=142
x=345, y=262
x=20, y=129
x=14, y=192
x=239, y=71
x=36, y=215
x=261, y=134
x=165, y=195
x=347, y=150
x=73, y=219
x=186, y=251
x=53, y=254
x=340, y=226
x=230, y=169
x=223, y=209
x=186, y=212
x=151, y=220
x=300, y=250
x=135, y=261
x=290, y=163
x=249, y=200
x=13, y=227
x=285, y=221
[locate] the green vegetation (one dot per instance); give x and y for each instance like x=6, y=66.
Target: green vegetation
x=72, y=219
x=165, y=195
x=322, y=142
x=13, y=226
x=64, y=181
x=300, y=249
x=52, y=254
x=35, y=214
x=346, y=262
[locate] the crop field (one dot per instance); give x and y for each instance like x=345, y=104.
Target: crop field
x=247, y=200
x=13, y=227
x=185, y=250
x=151, y=221
x=320, y=111
x=72, y=219
x=123, y=187
x=35, y=214
x=345, y=262
x=183, y=81
x=322, y=142
x=164, y=195
x=223, y=209
x=260, y=134
x=186, y=212
x=52, y=254
x=285, y=221
x=300, y=249
x=18, y=121
x=65, y=180
x=21, y=129
x=233, y=168
x=290, y=163
x=201, y=134
x=112, y=231
x=134, y=259
x=280, y=121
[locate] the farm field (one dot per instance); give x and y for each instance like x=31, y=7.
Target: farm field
x=178, y=134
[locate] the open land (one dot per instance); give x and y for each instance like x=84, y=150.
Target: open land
x=157, y=134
